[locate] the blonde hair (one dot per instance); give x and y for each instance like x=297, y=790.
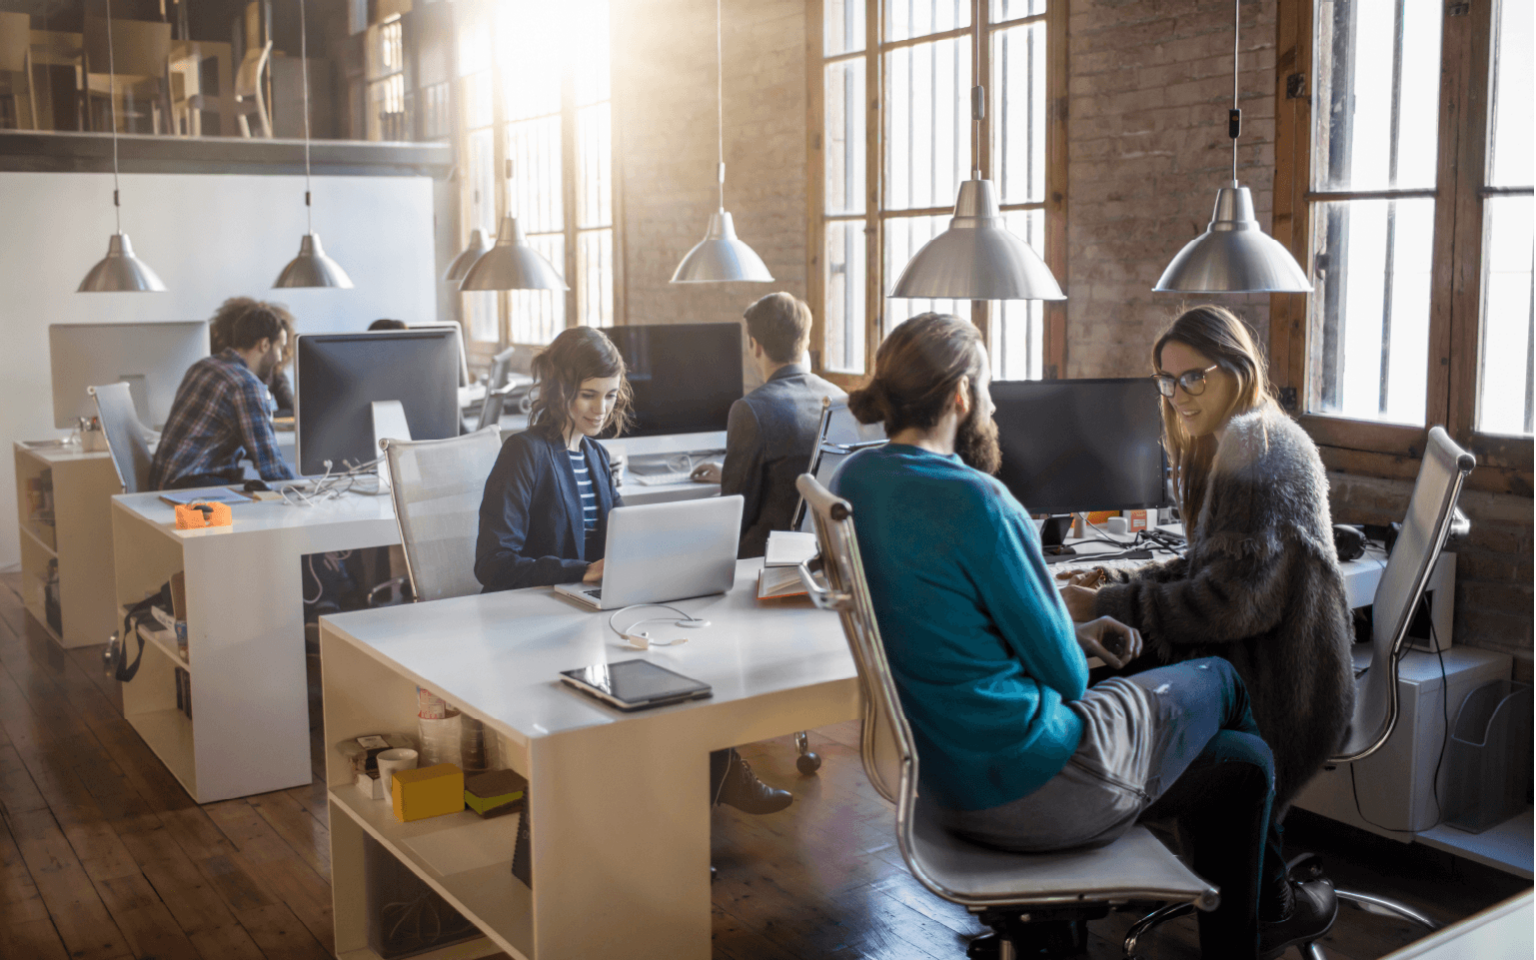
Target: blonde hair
x=1222, y=336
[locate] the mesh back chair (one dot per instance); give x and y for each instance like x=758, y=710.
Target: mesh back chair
x=839, y=436
x=126, y=443
x=1034, y=902
x=437, y=486
x=1432, y=519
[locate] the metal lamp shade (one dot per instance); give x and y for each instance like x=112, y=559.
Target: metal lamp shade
x=478, y=246
x=312, y=268
x=512, y=265
x=1234, y=255
x=977, y=258
x=720, y=257
x=120, y=271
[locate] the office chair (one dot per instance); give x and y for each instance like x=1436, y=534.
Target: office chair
x=249, y=97
x=839, y=435
x=1432, y=519
x=1037, y=904
x=16, y=67
x=437, y=486
x=126, y=443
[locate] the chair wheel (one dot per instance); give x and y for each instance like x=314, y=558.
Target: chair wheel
x=808, y=763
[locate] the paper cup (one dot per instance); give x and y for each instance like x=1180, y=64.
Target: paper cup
x=389, y=761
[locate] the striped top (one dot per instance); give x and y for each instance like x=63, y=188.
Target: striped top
x=584, y=487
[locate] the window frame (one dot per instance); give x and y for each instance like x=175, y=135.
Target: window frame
x=569, y=170
x=1368, y=447
x=875, y=215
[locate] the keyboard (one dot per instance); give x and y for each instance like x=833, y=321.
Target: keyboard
x=658, y=479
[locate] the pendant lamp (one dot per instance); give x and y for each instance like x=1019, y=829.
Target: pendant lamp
x=512, y=264
x=720, y=257
x=1234, y=254
x=978, y=257
x=119, y=271
x=477, y=248
x=311, y=268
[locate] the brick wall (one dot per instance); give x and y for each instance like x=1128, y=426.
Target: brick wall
x=1149, y=87
x=665, y=145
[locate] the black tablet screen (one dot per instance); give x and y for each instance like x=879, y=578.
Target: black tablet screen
x=636, y=681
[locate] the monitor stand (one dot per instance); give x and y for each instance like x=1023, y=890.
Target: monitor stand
x=1052, y=534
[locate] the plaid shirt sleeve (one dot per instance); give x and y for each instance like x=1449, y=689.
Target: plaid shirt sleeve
x=255, y=425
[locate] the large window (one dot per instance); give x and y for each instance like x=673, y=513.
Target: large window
x=895, y=137
x=1404, y=181
x=537, y=142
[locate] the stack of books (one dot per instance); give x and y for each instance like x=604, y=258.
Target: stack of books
x=780, y=577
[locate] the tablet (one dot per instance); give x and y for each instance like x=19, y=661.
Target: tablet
x=634, y=684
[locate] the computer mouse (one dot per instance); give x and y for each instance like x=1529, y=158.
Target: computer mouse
x=256, y=486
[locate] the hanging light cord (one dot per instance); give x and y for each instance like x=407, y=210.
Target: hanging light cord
x=309, y=212
x=117, y=207
x=720, y=105
x=1235, y=116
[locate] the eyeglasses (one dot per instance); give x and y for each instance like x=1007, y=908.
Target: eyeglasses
x=1193, y=381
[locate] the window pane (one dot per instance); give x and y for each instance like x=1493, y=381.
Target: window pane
x=1510, y=118
x=480, y=312
x=1014, y=9
x=537, y=315
x=905, y=19
x=1018, y=110
x=842, y=26
x=844, y=283
x=534, y=148
x=1018, y=326
x=481, y=182
x=1378, y=81
x=1370, y=309
x=477, y=100
x=592, y=57
x=904, y=236
x=594, y=277
x=927, y=123
x=529, y=43
x=1504, y=381
x=845, y=137
x=594, y=170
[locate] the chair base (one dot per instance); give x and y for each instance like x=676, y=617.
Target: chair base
x=807, y=762
x=1038, y=934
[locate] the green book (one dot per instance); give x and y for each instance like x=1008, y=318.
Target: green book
x=494, y=792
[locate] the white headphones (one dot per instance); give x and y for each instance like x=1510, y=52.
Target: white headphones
x=641, y=640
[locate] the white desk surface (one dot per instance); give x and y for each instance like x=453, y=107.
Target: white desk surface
x=259, y=516
x=1502, y=932
x=51, y=452
x=500, y=654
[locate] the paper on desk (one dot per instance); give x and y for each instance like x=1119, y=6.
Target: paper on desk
x=204, y=495
x=788, y=548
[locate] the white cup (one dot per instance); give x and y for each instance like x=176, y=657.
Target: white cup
x=389, y=761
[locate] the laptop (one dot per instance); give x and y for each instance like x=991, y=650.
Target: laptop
x=659, y=552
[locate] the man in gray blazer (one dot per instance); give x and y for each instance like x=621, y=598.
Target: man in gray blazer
x=771, y=432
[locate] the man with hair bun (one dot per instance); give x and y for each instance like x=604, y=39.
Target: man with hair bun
x=771, y=432
x=1016, y=750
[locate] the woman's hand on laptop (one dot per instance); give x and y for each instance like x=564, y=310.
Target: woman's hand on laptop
x=1109, y=640
x=708, y=472
x=594, y=573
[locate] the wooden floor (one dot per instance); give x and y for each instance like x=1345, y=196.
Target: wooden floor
x=104, y=856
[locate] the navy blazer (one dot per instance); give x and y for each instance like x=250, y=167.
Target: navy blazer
x=531, y=532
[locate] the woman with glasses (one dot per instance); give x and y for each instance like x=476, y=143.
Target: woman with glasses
x=1260, y=584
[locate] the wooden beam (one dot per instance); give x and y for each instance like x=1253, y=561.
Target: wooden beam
x=816, y=178
x=1054, y=316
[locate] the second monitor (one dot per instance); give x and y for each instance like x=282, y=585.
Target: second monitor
x=685, y=376
x=1071, y=446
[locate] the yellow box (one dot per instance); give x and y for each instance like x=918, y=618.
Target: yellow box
x=428, y=792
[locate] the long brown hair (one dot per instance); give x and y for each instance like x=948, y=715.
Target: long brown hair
x=1221, y=335
x=577, y=355
x=917, y=369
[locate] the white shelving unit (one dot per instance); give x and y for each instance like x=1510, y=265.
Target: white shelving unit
x=75, y=542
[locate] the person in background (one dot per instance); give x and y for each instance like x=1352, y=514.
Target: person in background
x=1016, y=751
x=771, y=432
x=387, y=324
x=221, y=327
x=544, y=514
x=222, y=410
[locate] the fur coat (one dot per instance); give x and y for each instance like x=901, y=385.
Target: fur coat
x=1260, y=586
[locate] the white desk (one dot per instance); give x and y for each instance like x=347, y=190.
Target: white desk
x=620, y=807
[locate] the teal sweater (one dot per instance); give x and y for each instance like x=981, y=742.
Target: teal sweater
x=979, y=643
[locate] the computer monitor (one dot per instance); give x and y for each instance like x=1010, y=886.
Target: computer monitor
x=340, y=375
x=1076, y=445
x=685, y=376
x=458, y=336
x=151, y=358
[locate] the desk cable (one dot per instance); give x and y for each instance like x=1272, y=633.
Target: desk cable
x=333, y=485
x=642, y=640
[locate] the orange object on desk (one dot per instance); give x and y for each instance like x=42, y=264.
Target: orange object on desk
x=195, y=516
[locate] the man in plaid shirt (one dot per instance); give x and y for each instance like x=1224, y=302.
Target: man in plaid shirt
x=222, y=411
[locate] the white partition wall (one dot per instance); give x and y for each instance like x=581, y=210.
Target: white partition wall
x=209, y=237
